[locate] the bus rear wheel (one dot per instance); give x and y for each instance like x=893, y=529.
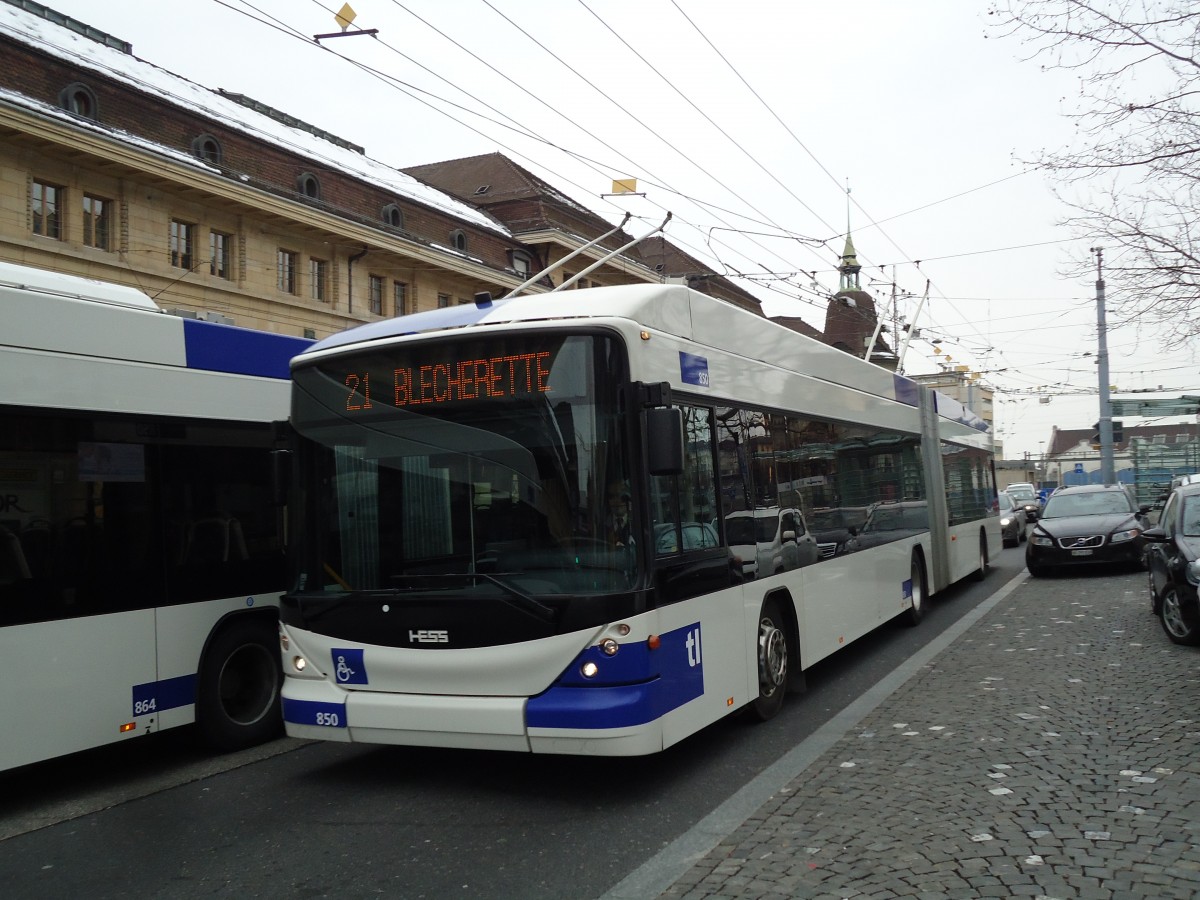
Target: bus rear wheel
x=772, y=648
x=237, y=703
x=920, y=590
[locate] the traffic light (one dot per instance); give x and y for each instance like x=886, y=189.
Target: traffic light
x=1118, y=434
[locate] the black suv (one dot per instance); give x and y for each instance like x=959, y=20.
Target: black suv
x=1172, y=554
x=1087, y=524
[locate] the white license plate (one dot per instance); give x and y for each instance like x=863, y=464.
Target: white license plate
x=1081, y=552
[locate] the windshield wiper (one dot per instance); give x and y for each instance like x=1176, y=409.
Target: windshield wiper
x=516, y=598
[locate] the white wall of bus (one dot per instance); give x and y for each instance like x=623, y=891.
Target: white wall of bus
x=61, y=662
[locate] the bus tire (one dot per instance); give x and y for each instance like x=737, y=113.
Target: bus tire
x=772, y=651
x=237, y=697
x=920, y=590
x=983, y=558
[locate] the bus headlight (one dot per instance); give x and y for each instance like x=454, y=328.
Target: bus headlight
x=299, y=663
x=609, y=647
x=589, y=669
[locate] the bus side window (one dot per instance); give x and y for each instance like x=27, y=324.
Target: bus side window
x=684, y=507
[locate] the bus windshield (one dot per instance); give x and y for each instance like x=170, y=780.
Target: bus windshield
x=483, y=466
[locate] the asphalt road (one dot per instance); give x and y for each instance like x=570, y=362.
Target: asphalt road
x=161, y=819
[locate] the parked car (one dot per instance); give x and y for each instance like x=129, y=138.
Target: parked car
x=1087, y=524
x=770, y=540
x=891, y=521
x=833, y=528
x=1024, y=494
x=1173, y=561
x=1013, y=520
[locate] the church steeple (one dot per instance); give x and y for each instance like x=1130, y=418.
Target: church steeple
x=849, y=267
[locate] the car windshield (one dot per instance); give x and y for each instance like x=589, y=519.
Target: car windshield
x=1099, y=503
x=1022, y=494
x=743, y=528
x=829, y=519
x=896, y=518
x=1191, y=516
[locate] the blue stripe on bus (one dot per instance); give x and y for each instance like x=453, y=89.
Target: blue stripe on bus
x=313, y=712
x=156, y=696
x=907, y=391
x=242, y=351
x=571, y=703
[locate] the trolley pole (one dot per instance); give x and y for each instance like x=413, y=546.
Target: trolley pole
x=1108, y=469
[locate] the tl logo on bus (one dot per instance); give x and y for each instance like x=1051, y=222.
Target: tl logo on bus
x=692, y=642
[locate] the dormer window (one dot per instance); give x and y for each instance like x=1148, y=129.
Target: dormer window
x=458, y=240
x=79, y=99
x=393, y=216
x=482, y=189
x=521, y=262
x=308, y=186
x=208, y=148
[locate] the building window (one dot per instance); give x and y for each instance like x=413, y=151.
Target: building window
x=285, y=271
x=183, y=244
x=79, y=99
x=208, y=148
x=393, y=216
x=400, y=298
x=45, y=203
x=97, y=213
x=308, y=186
x=219, y=245
x=443, y=301
x=375, y=293
x=522, y=263
x=318, y=274
x=458, y=240
x=310, y=333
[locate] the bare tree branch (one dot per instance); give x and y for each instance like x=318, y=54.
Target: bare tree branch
x=1134, y=168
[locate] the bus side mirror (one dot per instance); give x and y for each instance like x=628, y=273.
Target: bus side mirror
x=664, y=440
x=281, y=476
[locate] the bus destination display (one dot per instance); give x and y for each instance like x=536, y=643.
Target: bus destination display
x=449, y=381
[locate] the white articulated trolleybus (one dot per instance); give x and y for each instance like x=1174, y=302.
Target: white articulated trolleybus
x=141, y=554
x=597, y=521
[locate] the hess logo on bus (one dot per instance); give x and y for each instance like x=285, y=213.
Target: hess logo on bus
x=429, y=636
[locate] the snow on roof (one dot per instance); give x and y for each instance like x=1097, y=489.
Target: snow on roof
x=60, y=41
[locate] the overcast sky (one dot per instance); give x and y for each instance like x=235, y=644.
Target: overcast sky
x=747, y=122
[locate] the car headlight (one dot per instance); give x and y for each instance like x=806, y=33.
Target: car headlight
x=1004, y=522
x=1119, y=537
x=1041, y=540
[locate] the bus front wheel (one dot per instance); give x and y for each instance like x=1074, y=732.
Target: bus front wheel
x=237, y=702
x=772, y=648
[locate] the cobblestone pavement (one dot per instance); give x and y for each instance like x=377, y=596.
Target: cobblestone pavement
x=1052, y=750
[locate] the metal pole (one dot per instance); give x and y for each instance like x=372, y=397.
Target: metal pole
x=1108, y=471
